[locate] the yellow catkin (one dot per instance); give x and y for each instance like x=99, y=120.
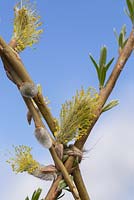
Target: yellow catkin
x=76, y=116
x=23, y=160
x=26, y=22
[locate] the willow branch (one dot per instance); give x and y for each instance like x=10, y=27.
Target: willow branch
x=28, y=102
x=104, y=94
x=80, y=184
x=19, y=69
x=125, y=53
x=14, y=78
x=53, y=192
x=67, y=178
x=45, y=111
x=16, y=64
x=106, y=91
x=38, y=122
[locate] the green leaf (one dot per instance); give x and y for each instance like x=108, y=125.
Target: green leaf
x=104, y=71
x=33, y=194
x=108, y=64
x=103, y=57
x=110, y=105
x=125, y=42
x=103, y=77
x=123, y=30
x=130, y=6
x=121, y=40
x=27, y=198
x=62, y=185
x=116, y=35
x=127, y=12
x=96, y=66
x=94, y=62
x=36, y=194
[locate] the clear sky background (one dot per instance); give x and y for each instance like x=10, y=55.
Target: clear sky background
x=60, y=63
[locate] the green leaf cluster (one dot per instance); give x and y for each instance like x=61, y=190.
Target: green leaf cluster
x=130, y=11
x=102, y=67
x=35, y=195
x=121, y=38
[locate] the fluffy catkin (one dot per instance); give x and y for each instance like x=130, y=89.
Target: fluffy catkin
x=26, y=23
x=76, y=116
x=43, y=137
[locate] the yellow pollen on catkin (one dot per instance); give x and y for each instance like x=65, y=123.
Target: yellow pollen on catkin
x=77, y=115
x=26, y=22
x=23, y=160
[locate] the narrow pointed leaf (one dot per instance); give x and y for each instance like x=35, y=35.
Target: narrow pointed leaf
x=94, y=62
x=103, y=56
x=37, y=194
x=116, y=35
x=130, y=7
x=132, y=18
x=125, y=42
x=121, y=40
x=123, y=30
x=103, y=77
x=127, y=13
x=96, y=66
x=33, y=194
x=108, y=64
x=27, y=198
x=110, y=105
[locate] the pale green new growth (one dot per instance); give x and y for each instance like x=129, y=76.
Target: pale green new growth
x=76, y=116
x=102, y=67
x=26, y=22
x=63, y=185
x=35, y=195
x=121, y=38
x=110, y=105
x=130, y=10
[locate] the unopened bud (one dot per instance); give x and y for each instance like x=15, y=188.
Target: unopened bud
x=44, y=176
x=28, y=90
x=43, y=137
x=59, y=150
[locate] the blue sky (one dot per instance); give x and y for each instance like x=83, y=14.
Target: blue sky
x=60, y=63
